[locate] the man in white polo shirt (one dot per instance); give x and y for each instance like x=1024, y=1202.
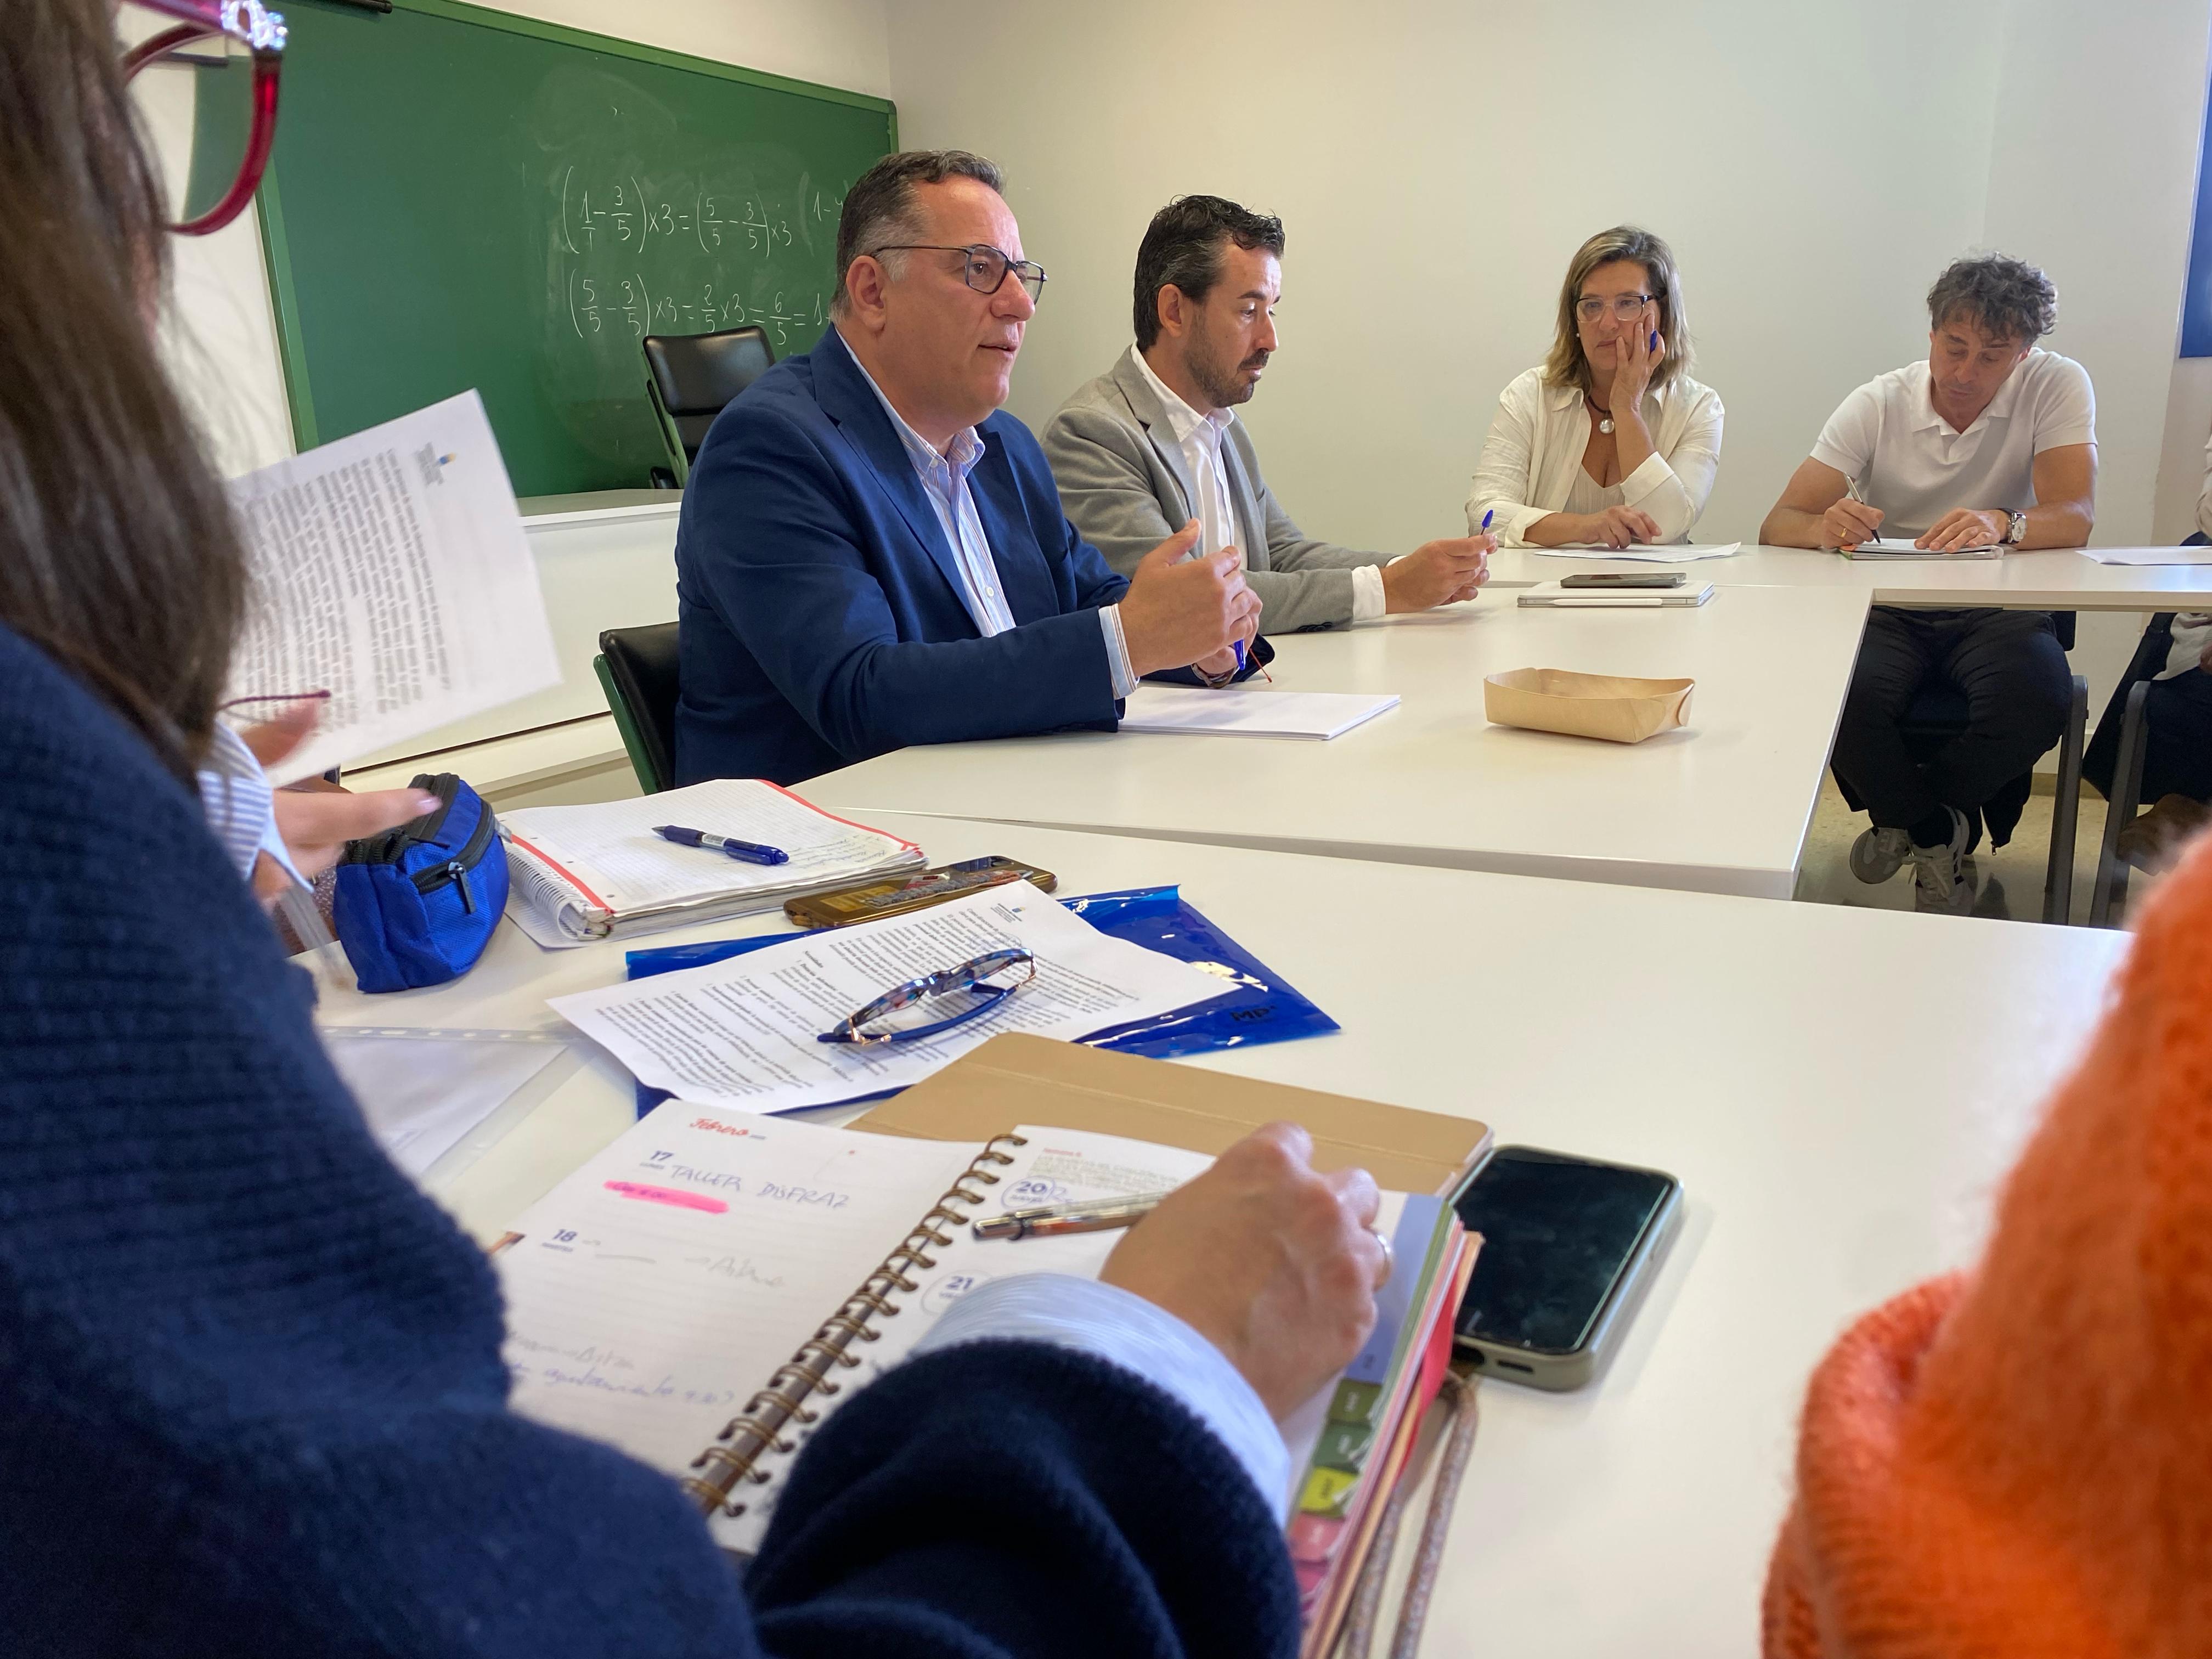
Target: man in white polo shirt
x=1991, y=442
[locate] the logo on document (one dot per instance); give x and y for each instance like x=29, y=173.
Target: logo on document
x=432, y=464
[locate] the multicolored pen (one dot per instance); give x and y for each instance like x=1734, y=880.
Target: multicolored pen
x=751, y=852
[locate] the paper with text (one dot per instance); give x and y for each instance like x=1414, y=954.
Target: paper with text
x=1248, y=711
x=745, y=1032
x=2150, y=554
x=389, y=569
x=655, y=1290
x=1642, y=552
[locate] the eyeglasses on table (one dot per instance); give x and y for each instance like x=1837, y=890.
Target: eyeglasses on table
x=1010, y=969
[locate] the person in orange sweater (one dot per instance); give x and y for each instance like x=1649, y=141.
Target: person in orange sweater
x=2018, y=1460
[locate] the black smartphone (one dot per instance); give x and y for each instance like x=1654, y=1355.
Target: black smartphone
x=1625, y=578
x=1568, y=1244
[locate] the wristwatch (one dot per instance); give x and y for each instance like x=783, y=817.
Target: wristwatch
x=2017, y=529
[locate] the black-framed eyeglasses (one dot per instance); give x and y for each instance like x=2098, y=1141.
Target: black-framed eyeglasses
x=234, y=49
x=986, y=266
x=1011, y=970
x=1627, y=306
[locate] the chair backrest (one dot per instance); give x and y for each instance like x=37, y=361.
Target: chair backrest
x=692, y=378
x=638, y=672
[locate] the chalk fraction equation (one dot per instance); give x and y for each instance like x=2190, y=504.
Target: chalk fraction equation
x=628, y=305
x=616, y=215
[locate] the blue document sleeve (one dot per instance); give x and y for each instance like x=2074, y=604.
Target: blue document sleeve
x=1256, y=1006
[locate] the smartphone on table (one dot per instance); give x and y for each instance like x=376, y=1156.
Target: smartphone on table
x=1624, y=578
x=1568, y=1246
x=895, y=896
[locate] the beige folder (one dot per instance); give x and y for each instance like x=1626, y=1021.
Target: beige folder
x=1015, y=1079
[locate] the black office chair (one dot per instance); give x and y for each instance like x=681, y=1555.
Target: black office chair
x=636, y=668
x=1938, y=714
x=692, y=378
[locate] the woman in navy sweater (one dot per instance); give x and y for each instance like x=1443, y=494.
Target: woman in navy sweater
x=250, y=1378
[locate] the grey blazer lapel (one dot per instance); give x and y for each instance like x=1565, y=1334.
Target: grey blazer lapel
x=1251, y=526
x=1144, y=404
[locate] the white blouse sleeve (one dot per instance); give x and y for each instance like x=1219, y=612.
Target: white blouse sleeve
x=1673, y=487
x=1504, y=475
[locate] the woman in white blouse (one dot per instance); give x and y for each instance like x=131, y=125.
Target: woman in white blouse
x=1609, y=441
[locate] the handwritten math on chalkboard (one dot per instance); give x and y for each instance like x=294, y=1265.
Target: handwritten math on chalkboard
x=459, y=198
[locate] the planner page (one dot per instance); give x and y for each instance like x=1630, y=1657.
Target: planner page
x=655, y=1290
x=1052, y=1166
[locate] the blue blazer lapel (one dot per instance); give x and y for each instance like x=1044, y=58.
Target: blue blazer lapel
x=846, y=399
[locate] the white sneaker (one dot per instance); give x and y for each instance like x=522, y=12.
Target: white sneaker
x=1940, y=883
x=1878, y=854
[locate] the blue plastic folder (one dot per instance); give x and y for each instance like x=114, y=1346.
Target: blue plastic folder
x=1256, y=1006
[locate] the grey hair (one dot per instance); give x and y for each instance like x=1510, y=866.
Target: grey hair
x=880, y=209
x=2006, y=299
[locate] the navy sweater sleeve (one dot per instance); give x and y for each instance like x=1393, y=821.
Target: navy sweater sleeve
x=251, y=1378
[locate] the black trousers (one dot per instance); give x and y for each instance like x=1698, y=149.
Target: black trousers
x=2012, y=672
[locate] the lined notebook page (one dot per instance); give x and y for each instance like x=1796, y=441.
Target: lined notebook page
x=655, y=1290
x=611, y=849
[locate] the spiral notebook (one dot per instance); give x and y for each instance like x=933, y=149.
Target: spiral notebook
x=704, y=1291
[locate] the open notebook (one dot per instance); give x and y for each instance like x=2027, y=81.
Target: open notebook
x=580, y=873
x=686, y=1293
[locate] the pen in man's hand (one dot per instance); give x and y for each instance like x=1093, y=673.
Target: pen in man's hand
x=751, y=852
x=1085, y=1216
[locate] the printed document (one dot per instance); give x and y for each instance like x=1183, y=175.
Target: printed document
x=391, y=570
x=1245, y=711
x=1642, y=552
x=2150, y=554
x=745, y=1031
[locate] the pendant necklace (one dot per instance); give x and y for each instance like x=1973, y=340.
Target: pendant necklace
x=1605, y=416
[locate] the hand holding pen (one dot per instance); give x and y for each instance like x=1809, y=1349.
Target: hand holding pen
x=1850, y=520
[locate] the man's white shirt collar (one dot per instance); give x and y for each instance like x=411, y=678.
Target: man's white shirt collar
x=1926, y=418
x=1182, y=419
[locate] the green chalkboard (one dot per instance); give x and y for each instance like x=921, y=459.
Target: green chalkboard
x=459, y=198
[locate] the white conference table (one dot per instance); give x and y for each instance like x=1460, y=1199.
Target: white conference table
x=1832, y=1153
x=2053, y=580
x=1719, y=806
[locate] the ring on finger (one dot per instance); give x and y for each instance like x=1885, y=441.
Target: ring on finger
x=1389, y=1260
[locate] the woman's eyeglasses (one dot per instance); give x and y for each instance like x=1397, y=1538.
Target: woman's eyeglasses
x=219, y=61
x=989, y=980
x=1625, y=306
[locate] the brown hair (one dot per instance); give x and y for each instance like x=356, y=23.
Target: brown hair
x=1567, y=366
x=118, y=555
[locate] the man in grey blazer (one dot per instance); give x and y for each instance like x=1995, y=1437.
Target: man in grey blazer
x=1151, y=445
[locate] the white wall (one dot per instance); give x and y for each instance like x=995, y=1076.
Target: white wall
x=1437, y=163
x=221, y=337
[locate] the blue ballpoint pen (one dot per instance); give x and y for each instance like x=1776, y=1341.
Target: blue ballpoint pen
x=751, y=852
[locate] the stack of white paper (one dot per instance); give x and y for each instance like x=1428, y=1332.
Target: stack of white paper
x=746, y=1031
x=1901, y=547
x=584, y=872
x=1244, y=711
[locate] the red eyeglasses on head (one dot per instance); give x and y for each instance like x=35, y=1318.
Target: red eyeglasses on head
x=219, y=62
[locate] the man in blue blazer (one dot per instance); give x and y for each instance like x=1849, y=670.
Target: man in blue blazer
x=870, y=555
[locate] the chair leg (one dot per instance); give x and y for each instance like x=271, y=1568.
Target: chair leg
x=2066, y=811
x=2127, y=788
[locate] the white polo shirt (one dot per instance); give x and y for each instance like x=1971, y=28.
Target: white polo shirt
x=1907, y=461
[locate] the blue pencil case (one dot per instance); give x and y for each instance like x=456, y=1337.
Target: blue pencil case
x=1256, y=1004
